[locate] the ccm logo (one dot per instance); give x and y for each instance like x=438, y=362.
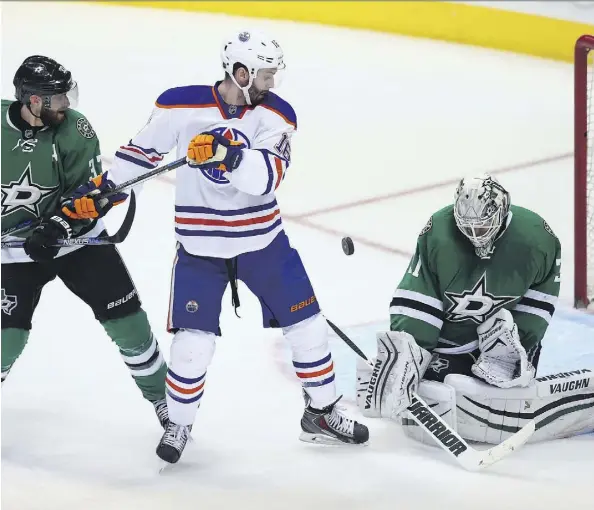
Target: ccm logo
x=303, y=304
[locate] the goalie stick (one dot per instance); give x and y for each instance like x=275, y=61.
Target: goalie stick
x=447, y=438
x=116, y=238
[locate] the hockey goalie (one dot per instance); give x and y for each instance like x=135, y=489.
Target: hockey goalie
x=466, y=324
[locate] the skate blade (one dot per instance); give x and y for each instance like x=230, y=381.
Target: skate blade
x=165, y=467
x=323, y=439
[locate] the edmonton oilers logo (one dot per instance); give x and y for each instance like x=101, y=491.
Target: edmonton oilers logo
x=218, y=176
x=192, y=306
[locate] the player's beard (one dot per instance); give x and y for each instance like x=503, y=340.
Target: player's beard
x=52, y=118
x=257, y=96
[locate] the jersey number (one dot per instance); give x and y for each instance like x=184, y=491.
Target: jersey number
x=92, y=165
x=417, y=267
x=558, y=264
x=284, y=147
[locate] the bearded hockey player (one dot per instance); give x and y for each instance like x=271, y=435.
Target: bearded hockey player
x=236, y=135
x=468, y=318
x=48, y=151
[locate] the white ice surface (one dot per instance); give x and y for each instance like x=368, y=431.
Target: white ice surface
x=378, y=114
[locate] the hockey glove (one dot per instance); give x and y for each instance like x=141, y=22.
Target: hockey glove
x=503, y=361
x=399, y=367
x=39, y=245
x=211, y=150
x=87, y=203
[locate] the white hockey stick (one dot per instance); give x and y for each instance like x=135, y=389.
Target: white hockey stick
x=469, y=458
x=446, y=437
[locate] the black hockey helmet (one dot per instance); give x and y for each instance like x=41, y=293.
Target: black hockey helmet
x=41, y=76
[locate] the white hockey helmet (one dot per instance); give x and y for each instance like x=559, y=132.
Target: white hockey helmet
x=480, y=209
x=254, y=51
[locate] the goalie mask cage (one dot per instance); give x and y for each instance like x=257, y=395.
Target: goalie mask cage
x=584, y=176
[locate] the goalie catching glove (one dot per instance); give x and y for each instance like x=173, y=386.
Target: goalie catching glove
x=503, y=361
x=387, y=389
x=87, y=203
x=212, y=150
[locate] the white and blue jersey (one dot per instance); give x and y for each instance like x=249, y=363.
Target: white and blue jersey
x=217, y=214
x=228, y=226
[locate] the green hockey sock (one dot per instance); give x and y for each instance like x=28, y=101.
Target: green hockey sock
x=13, y=343
x=140, y=351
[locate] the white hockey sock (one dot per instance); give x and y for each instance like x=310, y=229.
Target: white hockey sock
x=312, y=359
x=191, y=353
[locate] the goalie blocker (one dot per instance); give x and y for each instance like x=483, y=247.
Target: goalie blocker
x=562, y=405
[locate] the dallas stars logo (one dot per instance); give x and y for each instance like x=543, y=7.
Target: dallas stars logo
x=24, y=194
x=476, y=304
x=9, y=302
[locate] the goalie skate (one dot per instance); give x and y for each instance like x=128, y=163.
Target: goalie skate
x=331, y=426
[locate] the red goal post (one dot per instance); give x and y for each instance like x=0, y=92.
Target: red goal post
x=584, y=176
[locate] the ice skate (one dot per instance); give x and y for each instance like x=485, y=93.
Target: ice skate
x=331, y=426
x=161, y=412
x=173, y=442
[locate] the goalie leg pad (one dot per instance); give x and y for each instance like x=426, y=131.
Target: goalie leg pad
x=491, y=415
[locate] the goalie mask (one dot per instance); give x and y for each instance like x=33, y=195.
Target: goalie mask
x=480, y=209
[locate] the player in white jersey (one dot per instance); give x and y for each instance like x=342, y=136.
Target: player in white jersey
x=237, y=138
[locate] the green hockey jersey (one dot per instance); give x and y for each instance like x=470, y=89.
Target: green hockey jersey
x=42, y=165
x=447, y=290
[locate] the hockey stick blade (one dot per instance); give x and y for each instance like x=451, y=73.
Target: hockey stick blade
x=126, y=225
x=447, y=438
x=116, y=238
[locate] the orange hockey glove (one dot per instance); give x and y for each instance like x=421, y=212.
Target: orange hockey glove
x=87, y=203
x=212, y=150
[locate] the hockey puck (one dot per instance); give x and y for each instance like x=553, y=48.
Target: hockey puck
x=347, y=246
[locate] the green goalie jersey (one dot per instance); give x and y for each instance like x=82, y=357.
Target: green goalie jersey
x=40, y=166
x=447, y=290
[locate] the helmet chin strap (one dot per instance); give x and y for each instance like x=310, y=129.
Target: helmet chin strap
x=31, y=111
x=246, y=94
x=244, y=90
x=45, y=104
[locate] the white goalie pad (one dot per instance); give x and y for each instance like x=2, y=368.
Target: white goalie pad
x=397, y=370
x=364, y=371
x=562, y=405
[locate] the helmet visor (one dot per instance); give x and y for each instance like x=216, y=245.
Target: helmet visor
x=61, y=102
x=269, y=78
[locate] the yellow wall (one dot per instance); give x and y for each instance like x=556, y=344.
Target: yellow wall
x=461, y=23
